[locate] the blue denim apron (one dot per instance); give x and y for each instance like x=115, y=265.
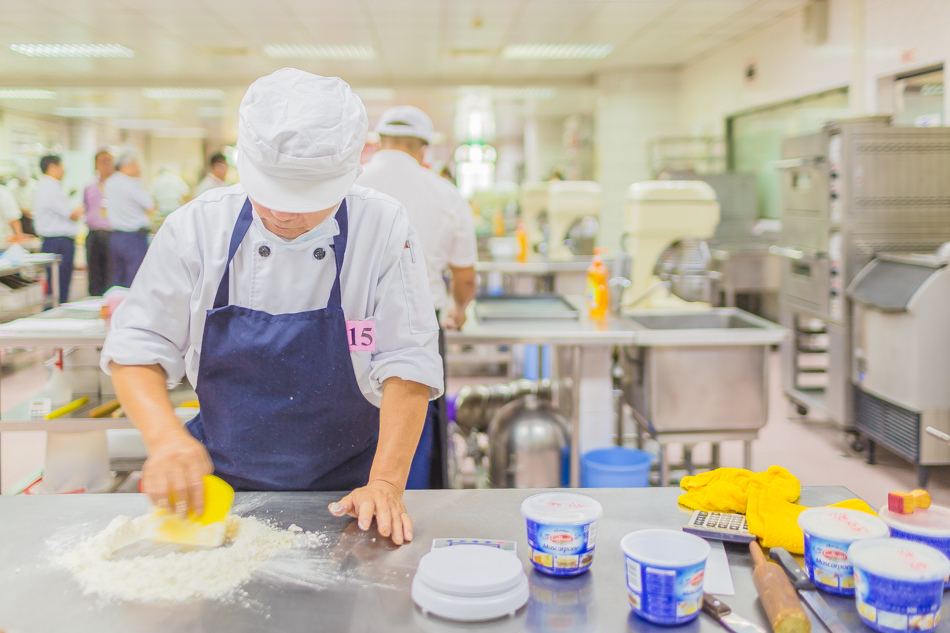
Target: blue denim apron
x=280, y=406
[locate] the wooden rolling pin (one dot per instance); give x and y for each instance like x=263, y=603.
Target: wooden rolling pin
x=778, y=597
x=104, y=409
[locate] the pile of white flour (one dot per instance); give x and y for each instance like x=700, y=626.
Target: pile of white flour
x=213, y=574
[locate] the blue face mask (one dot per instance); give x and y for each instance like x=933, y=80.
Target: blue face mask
x=323, y=231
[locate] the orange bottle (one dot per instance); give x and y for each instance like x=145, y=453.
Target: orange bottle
x=597, y=292
x=522, y=234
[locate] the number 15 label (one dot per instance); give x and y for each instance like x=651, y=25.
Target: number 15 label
x=361, y=336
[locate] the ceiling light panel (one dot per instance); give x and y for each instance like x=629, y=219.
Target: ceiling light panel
x=193, y=94
x=28, y=94
x=556, y=51
x=344, y=52
x=88, y=112
x=72, y=50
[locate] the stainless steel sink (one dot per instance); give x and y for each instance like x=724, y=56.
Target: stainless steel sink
x=699, y=370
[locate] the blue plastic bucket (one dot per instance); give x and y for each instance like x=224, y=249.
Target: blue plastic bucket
x=616, y=467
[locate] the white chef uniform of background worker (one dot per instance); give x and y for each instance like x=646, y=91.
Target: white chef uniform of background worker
x=295, y=169
x=447, y=234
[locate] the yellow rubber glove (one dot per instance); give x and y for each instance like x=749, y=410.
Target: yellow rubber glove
x=775, y=521
x=728, y=489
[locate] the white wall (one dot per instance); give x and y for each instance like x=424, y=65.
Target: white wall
x=901, y=36
x=632, y=108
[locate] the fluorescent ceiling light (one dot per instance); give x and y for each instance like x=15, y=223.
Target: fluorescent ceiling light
x=87, y=112
x=321, y=51
x=26, y=93
x=210, y=112
x=375, y=94
x=557, y=51
x=72, y=50
x=195, y=94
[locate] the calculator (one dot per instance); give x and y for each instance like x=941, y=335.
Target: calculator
x=720, y=526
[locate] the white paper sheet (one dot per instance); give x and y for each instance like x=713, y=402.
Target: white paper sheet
x=718, y=578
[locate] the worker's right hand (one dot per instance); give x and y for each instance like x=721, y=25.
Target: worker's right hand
x=78, y=212
x=172, y=474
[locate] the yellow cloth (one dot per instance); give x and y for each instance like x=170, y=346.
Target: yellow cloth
x=765, y=498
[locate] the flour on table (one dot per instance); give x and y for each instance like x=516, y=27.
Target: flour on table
x=214, y=574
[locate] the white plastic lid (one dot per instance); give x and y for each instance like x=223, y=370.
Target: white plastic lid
x=665, y=548
x=841, y=524
x=470, y=571
x=561, y=508
x=933, y=521
x=899, y=559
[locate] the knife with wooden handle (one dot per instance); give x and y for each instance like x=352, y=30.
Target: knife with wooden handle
x=778, y=597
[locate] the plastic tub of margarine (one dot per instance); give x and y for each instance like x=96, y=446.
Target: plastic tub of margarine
x=562, y=530
x=930, y=526
x=828, y=534
x=898, y=584
x=665, y=571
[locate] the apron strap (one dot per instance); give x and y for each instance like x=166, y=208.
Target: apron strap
x=339, y=250
x=243, y=223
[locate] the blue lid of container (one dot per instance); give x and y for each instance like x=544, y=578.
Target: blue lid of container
x=899, y=559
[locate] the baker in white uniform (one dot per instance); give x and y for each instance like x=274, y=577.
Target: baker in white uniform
x=447, y=234
x=297, y=304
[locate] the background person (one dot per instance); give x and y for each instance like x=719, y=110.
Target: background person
x=57, y=221
x=217, y=172
x=100, y=232
x=128, y=207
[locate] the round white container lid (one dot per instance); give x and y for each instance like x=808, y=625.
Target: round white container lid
x=841, y=524
x=899, y=559
x=933, y=521
x=470, y=583
x=665, y=548
x=561, y=508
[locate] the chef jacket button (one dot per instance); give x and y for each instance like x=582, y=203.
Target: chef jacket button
x=319, y=253
x=263, y=251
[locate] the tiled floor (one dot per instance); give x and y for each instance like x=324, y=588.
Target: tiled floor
x=815, y=453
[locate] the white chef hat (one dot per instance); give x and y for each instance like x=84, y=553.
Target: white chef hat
x=405, y=121
x=300, y=137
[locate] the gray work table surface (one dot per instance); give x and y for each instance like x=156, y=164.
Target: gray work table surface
x=367, y=580
x=611, y=330
x=537, y=266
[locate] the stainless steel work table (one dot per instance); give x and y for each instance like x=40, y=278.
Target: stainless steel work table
x=571, y=335
x=367, y=581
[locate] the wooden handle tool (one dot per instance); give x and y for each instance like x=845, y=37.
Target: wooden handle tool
x=778, y=597
x=104, y=409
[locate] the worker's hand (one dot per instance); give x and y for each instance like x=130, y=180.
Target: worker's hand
x=172, y=474
x=384, y=501
x=77, y=213
x=455, y=318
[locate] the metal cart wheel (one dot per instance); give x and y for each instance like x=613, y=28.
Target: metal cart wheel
x=801, y=410
x=856, y=442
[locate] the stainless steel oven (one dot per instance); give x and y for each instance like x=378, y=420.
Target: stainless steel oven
x=854, y=189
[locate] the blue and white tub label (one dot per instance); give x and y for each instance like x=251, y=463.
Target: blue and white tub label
x=828, y=565
x=665, y=596
x=561, y=550
x=896, y=606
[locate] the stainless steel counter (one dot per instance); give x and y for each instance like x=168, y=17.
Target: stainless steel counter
x=360, y=582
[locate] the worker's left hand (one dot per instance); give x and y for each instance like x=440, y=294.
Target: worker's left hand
x=455, y=318
x=378, y=499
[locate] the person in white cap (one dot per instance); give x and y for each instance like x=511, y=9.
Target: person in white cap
x=297, y=304
x=447, y=233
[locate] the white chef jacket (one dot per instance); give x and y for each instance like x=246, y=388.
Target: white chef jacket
x=52, y=208
x=127, y=202
x=23, y=193
x=383, y=280
x=436, y=209
x=9, y=211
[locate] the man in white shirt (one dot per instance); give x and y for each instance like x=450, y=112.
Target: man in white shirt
x=169, y=190
x=128, y=207
x=56, y=221
x=447, y=233
x=217, y=172
x=297, y=304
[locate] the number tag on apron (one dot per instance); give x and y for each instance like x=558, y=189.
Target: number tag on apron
x=361, y=336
